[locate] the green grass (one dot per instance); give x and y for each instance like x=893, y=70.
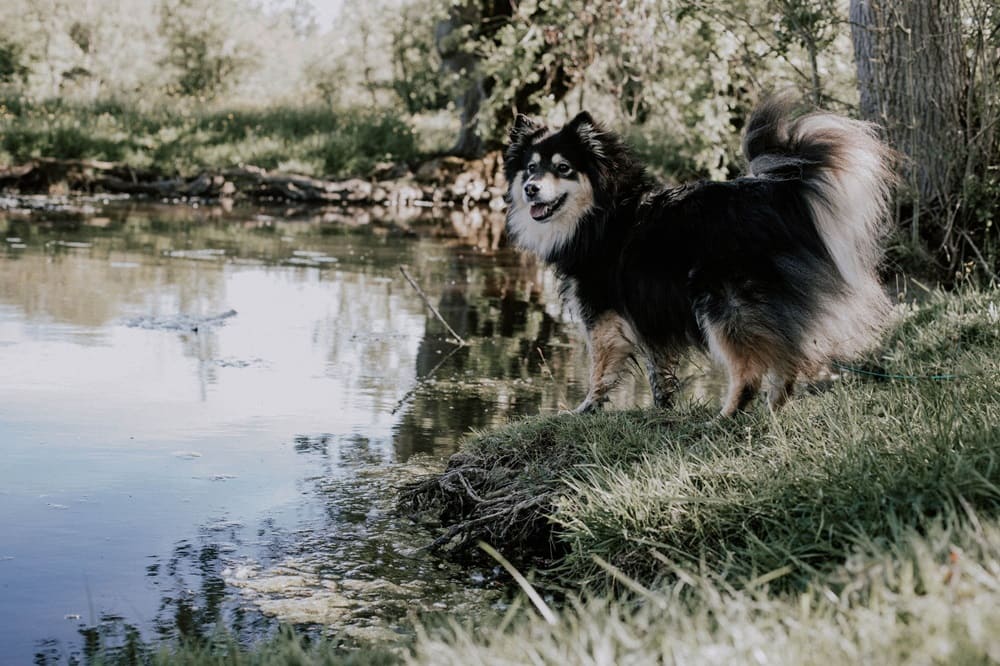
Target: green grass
x=762, y=491
x=180, y=138
x=858, y=525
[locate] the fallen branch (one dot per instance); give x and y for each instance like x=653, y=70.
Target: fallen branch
x=457, y=338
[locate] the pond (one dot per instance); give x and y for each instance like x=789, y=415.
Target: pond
x=204, y=414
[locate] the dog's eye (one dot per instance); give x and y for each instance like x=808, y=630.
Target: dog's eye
x=531, y=168
x=563, y=168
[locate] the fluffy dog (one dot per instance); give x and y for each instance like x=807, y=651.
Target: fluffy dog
x=775, y=273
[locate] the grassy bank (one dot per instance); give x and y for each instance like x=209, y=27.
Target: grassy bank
x=859, y=525
x=185, y=138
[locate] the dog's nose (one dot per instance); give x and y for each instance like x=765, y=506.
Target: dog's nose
x=530, y=190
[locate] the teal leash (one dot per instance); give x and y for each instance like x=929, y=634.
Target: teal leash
x=883, y=375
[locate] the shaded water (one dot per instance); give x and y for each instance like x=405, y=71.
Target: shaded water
x=204, y=414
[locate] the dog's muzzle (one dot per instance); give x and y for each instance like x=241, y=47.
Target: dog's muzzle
x=543, y=211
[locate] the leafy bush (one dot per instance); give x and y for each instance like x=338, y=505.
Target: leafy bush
x=363, y=139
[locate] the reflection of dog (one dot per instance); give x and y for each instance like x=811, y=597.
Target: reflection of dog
x=775, y=272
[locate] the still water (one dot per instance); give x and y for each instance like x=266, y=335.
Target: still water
x=204, y=415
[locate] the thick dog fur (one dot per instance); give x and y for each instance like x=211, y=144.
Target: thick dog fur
x=775, y=273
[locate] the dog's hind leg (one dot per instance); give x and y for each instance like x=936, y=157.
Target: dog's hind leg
x=744, y=369
x=661, y=369
x=612, y=343
x=780, y=386
x=744, y=383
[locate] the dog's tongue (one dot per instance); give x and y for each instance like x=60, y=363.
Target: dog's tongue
x=538, y=210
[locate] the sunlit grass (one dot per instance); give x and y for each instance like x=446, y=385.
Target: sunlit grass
x=914, y=597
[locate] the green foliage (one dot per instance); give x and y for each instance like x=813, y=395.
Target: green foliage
x=687, y=70
x=417, y=76
x=202, y=47
x=13, y=61
x=177, y=138
x=364, y=139
x=534, y=57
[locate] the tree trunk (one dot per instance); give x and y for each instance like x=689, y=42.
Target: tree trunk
x=458, y=59
x=912, y=79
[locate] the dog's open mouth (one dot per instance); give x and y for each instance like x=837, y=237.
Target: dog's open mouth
x=543, y=211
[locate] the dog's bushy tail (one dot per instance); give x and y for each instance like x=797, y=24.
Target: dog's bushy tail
x=847, y=179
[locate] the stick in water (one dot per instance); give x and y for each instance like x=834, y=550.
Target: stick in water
x=458, y=338
x=540, y=605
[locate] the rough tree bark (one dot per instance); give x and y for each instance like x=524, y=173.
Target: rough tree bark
x=913, y=79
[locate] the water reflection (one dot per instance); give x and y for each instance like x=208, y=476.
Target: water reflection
x=241, y=472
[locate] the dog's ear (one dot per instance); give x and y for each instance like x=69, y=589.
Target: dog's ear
x=590, y=133
x=521, y=132
x=523, y=127
x=582, y=118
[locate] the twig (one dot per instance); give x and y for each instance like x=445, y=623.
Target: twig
x=420, y=382
x=457, y=338
x=545, y=365
x=540, y=605
x=982, y=261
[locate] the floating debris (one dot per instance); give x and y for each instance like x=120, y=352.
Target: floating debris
x=186, y=455
x=240, y=363
x=205, y=254
x=179, y=322
x=72, y=244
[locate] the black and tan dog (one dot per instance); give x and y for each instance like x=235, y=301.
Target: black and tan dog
x=775, y=273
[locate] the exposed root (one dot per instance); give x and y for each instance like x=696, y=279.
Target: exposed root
x=505, y=484
x=489, y=501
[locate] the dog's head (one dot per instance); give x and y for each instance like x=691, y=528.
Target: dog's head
x=551, y=180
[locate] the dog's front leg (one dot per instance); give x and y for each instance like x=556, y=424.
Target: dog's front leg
x=611, y=342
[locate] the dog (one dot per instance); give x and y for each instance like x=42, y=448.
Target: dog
x=774, y=273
